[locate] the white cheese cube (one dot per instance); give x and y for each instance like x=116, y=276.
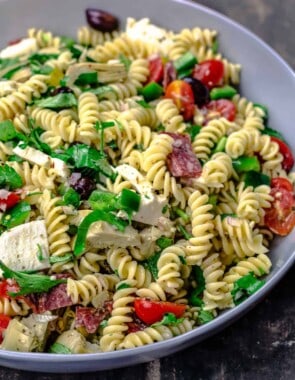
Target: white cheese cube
x=150, y=210
x=60, y=168
x=25, y=46
x=34, y=156
x=25, y=247
x=103, y=235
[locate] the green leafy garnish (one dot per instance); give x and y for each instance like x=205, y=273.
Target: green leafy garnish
x=71, y=197
x=164, y=242
x=41, y=57
x=125, y=60
x=245, y=287
x=184, y=232
x=102, y=92
x=182, y=214
x=64, y=100
x=8, y=131
x=103, y=323
x=123, y=285
x=61, y=259
x=40, y=253
x=10, y=178
x=193, y=130
x=205, y=316
x=29, y=283
x=182, y=260
x=143, y=103
x=58, y=348
x=91, y=218
x=85, y=79
x=17, y=215
x=169, y=319
x=151, y=264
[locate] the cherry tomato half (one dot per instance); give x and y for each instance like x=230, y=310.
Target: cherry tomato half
x=9, y=201
x=156, y=69
x=6, y=287
x=280, y=217
x=153, y=311
x=209, y=72
x=288, y=161
x=182, y=95
x=4, y=322
x=225, y=108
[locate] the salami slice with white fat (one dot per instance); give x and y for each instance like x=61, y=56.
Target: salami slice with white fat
x=182, y=161
x=91, y=318
x=54, y=299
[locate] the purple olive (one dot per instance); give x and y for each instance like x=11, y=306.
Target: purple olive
x=169, y=74
x=83, y=185
x=201, y=92
x=101, y=20
x=61, y=90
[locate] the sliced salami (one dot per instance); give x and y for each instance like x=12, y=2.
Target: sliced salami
x=91, y=318
x=182, y=161
x=54, y=299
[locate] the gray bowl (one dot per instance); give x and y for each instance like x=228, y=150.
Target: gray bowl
x=266, y=79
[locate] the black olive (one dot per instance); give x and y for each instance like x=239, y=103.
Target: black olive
x=83, y=185
x=101, y=20
x=201, y=92
x=61, y=90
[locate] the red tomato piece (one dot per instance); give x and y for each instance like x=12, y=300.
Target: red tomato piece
x=183, y=97
x=224, y=107
x=156, y=68
x=4, y=322
x=288, y=161
x=280, y=217
x=209, y=72
x=9, y=200
x=153, y=311
x=6, y=287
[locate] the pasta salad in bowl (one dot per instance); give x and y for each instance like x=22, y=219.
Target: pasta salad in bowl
x=141, y=189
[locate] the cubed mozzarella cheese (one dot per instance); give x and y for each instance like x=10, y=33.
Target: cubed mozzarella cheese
x=60, y=168
x=34, y=156
x=103, y=235
x=25, y=46
x=151, y=204
x=25, y=247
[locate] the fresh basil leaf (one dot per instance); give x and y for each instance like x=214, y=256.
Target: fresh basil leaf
x=245, y=287
x=205, y=316
x=199, y=278
x=37, y=68
x=71, y=197
x=164, y=242
x=125, y=60
x=169, y=319
x=102, y=92
x=143, y=103
x=183, y=232
x=17, y=215
x=151, y=264
x=91, y=218
x=42, y=57
x=123, y=285
x=58, y=348
x=63, y=100
x=6, y=62
x=15, y=157
x=29, y=283
x=67, y=42
x=10, y=178
x=7, y=131
x=193, y=130
x=35, y=141
x=103, y=323
x=8, y=74
x=85, y=79
x=61, y=259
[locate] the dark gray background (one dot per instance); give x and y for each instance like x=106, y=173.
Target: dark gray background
x=260, y=346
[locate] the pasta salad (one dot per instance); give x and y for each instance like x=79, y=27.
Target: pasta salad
x=140, y=191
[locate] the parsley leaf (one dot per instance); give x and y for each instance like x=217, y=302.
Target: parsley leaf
x=245, y=287
x=151, y=264
x=205, y=316
x=168, y=319
x=58, y=348
x=63, y=100
x=10, y=178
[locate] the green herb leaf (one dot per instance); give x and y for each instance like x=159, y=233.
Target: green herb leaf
x=169, y=319
x=143, y=103
x=182, y=260
x=10, y=178
x=71, y=197
x=58, y=348
x=61, y=259
x=205, y=317
x=102, y=92
x=273, y=132
x=67, y=42
x=41, y=57
x=29, y=283
x=85, y=79
x=16, y=215
x=183, y=232
x=123, y=285
x=245, y=287
x=125, y=60
x=64, y=100
x=151, y=264
x=103, y=323
x=199, y=278
x=164, y=242
x=91, y=218
x=8, y=131
x=193, y=130
x=15, y=157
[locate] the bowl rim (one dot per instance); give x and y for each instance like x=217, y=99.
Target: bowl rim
x=201, y=332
